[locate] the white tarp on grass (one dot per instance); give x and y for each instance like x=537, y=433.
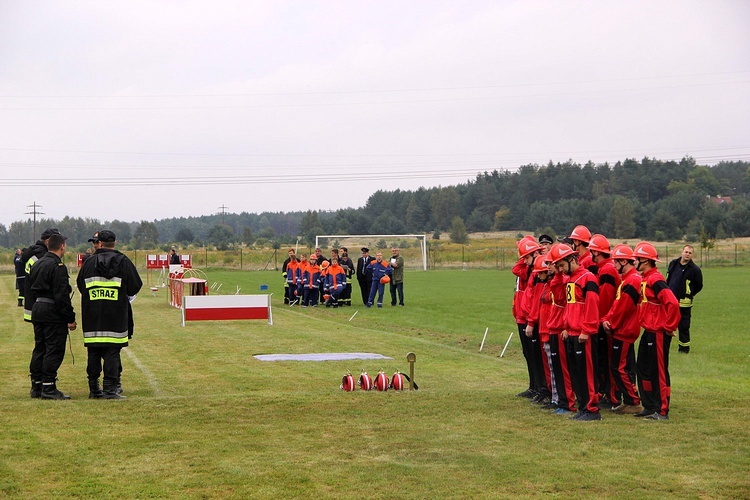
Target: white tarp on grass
x=323, y=356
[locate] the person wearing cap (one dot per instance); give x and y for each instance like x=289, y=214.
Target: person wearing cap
x=108, y=282
x=363, y=278
x=545, y=241
x=49, y=295
x=28, y=258
x=397, y=279
x=659, y=316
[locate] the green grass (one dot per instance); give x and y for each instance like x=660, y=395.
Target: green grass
x=204, y=419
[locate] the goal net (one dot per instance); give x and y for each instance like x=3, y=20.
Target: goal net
x=375, y=242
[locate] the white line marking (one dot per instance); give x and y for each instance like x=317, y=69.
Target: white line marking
x=149, y=376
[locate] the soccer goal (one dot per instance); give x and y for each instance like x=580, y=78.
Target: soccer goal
x=352, y=241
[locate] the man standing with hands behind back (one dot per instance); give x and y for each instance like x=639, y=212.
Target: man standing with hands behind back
x=108, y=281
x=397, y=279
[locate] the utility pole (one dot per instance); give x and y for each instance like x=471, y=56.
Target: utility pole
x=222, y=208
x=33, y=208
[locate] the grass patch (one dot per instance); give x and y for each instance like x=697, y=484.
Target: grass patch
x=204, y=419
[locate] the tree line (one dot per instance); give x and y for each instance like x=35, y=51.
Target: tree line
x=649, y=199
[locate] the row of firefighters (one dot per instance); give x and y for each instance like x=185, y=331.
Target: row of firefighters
x=308, y=284
x=580, y=306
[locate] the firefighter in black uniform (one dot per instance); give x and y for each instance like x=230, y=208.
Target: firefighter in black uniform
x=20, y=274
x=108, y=281
x=48, y=295
x=29, y=258
x=685, y=279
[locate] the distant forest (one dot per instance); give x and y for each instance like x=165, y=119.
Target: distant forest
x=649, y=199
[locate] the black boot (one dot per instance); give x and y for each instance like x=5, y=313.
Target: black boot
x=110, y=389
x=50, y=391
x=118, y=386
x=36, y=389
x=95, y=391
x=20, y=302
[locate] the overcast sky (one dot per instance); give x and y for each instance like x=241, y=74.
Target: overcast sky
x=152, y=109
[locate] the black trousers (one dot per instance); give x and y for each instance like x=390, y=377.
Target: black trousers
x=364, y=289
x=582, y=366
x=49, y=351
x=526, y=348
x=622, y=367
x=654, y=384
x=110, y=354
x=397, y=287
x=684, y=328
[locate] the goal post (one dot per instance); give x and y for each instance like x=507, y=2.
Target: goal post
x=366, y=239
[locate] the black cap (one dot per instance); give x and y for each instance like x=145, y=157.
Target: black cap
x=365, y=249
x=566, y=239
x=106, y=236
x=49, y=232
x=95, y=238
x=545, y=238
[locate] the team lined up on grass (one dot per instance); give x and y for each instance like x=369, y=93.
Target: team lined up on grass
x=313, y=280
x=580, y=306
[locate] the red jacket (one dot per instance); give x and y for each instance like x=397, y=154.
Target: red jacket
x=609, y=282
x=533, y=301
x=582, y=307
x=522, y=272
x=623, y=317
x=659, y=310
x=587, y=262
x=556, y=318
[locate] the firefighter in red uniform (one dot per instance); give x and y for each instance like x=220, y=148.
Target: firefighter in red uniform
x=564, y=398
x=621, y=322
x=528, y=249
x=580, y=238
x=533, y=308
x=659, y=316
x=609, y=282
x=581, y=327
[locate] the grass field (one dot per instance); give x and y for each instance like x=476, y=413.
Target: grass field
x=204, y=419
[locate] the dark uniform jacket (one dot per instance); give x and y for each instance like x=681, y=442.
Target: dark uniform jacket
x=684, y=281
x=106, y=281
x=29, y=258
x=49, y=290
